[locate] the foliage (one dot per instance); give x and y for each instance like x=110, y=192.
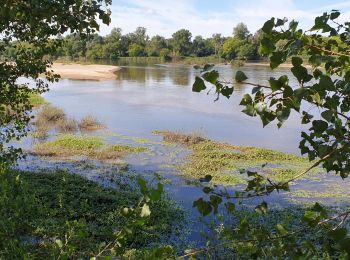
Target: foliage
x=181, y=42
x=35, y=27
x=60, y=215
x=326, y=143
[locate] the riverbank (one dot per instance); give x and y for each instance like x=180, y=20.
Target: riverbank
x=85, y=72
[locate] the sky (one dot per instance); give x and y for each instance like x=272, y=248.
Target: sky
x=205, y=17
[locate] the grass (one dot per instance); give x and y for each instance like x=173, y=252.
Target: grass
x=89, y=146
x=36, y=100
x=68, y=125
x=90, y=123
x=180, y=138
x=38, y=209
x=223, y=161
x=49, y=115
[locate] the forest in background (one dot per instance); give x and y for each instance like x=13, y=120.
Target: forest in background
x=242, y=45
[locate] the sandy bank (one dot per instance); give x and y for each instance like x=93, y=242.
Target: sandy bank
x=85, y=72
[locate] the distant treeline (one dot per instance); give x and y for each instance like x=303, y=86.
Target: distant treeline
x=241, y=45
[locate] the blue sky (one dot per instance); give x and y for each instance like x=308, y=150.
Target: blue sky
x=205, y=17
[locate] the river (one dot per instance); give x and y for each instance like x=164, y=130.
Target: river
x=157, y=97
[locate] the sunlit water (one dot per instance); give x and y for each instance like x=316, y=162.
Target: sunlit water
x=156, y=97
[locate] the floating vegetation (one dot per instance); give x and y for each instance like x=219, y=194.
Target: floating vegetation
x=180, y=138
x=223, y=161
x=40, y=208
x=89, y=146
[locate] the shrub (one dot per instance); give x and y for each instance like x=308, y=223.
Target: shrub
x=90, y=123
x=49, y=115
x=69, y=125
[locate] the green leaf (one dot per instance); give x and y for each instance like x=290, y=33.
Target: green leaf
x=240, y=76
x=301, y=74
x=249, y=110
x=145, y=211
x=281, y=230
x=142, y=184
x=277, y=58
x=334, y=15
x=267, y=117
x=203, y=207
x=267, y=46
x=338, y=234
x=319, y=126
x=281, y=22
x=227, y=91
x=268, y=26
x=261, y=208
x=326, y=83
x=198, y=85
x=246, y=100
x=231, y=207
x=211, y=76
x=283, y=114
x=297, y=61
x=328, y=115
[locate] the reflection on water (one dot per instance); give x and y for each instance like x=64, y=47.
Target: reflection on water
x=147, y=98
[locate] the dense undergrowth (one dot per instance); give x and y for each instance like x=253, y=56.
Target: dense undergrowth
x=53, y=215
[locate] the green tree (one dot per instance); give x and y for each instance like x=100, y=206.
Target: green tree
x=319, y=233
x=217, y=41
x=202, y=47
x=240, y=31
x=35, y=26
x=139, y=36
x=181, y=42
x=155, y=45
x=136, y=50
x=231, y=47
x=111, y=48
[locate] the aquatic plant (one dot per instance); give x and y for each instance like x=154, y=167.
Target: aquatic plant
x=49, y=115
x=89, y=146
x=90, y=123
x=49, y=214
x=67, y=125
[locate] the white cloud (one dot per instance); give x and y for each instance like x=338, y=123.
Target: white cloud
x=164, y=17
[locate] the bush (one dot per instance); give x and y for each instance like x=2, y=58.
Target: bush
x=69, y=125
x=90, y=123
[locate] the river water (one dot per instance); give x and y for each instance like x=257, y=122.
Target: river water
x=157, y=97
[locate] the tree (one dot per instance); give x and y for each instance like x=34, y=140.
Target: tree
x=139, y=36
x=155, y=45
x=35, y=25
x=326, y=143
x=181, y=42
x=218, y=41
x=111, y=48
x=136, y=50
x=241, y=31
x=231, y=47
x=202, y=47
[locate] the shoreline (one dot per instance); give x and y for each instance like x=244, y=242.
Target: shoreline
x=85, y=72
